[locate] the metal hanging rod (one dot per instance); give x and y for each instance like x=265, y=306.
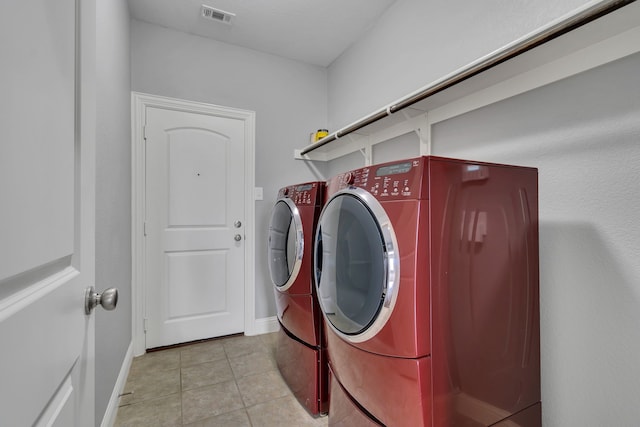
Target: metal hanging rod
x=483, y=64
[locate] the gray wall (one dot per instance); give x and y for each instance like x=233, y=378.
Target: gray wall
x=113, y=193
x=583, y=134
x=417, y=42
x=289, y=98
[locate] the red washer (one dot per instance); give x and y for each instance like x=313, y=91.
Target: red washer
x=301, y=351
x=429, y=286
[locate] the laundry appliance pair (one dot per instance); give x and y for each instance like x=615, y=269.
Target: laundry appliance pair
x=426, y=272
x=301, y=353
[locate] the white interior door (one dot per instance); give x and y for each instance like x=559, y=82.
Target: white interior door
x=46, y=213
x=194, y=226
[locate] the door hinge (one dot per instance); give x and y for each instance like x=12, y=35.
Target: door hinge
x=144, y=325
x=144, y=229
x=144, y=132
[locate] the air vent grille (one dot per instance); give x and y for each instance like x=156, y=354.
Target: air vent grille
x=218, y=15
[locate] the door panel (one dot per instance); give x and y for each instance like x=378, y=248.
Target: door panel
x=61, y=409
x=193, y=286
x=37, y=148
x=46, y=219
x=197, y=166
x=194, y=196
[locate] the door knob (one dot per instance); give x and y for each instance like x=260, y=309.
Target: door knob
x=237, y=237
x=108, y=299
x=237, y=224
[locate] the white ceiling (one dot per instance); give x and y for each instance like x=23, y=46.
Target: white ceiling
x=311, y=31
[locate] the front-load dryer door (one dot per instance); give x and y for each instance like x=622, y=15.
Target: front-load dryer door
x=286, y=244
x=356, y=264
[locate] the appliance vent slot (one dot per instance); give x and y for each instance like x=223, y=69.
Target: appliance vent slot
x=218, y=15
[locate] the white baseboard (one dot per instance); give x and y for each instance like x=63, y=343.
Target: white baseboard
x=110, y=414
x=263, y=326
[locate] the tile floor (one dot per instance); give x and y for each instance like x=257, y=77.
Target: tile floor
x=229, y=382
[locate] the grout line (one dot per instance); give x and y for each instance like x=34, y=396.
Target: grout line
x=264, y=345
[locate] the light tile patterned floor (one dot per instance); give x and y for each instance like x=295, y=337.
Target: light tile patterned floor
x=230, y=382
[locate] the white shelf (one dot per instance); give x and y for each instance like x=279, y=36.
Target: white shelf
x=535, y=60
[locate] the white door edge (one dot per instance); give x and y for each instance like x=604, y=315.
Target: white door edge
x=139, y=103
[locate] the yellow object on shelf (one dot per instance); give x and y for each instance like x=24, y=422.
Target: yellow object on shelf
x=321, y=133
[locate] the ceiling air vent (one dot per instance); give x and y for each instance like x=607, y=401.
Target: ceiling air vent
x=209, y=12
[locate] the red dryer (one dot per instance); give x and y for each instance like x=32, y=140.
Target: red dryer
x=301, y=349
x=428, y=283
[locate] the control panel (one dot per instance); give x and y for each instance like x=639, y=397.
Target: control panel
x=387, y=181
x=303, y=194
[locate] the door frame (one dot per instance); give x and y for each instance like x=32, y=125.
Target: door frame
x=139, y=103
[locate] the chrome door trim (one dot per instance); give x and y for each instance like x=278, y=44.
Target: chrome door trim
x=391, y=264
x=299, y=245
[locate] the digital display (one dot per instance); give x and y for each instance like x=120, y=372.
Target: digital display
x=394, y=169
x=305, y=187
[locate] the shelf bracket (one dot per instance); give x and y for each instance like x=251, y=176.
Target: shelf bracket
x=366, y=153
x=423, y=130
x=297, y=154
x=424, y=135
x=315, y=171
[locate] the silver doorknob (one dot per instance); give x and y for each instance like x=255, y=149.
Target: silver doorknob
x=108, y=299
x=237, y=237
x=237, y=224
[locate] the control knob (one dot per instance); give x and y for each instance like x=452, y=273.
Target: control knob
x=349, y=178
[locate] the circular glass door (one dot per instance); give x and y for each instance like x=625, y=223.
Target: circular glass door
x=356, y=264
x=286, y=244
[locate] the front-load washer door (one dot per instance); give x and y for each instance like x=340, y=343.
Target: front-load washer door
x=286, y=244
x=356, y=264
